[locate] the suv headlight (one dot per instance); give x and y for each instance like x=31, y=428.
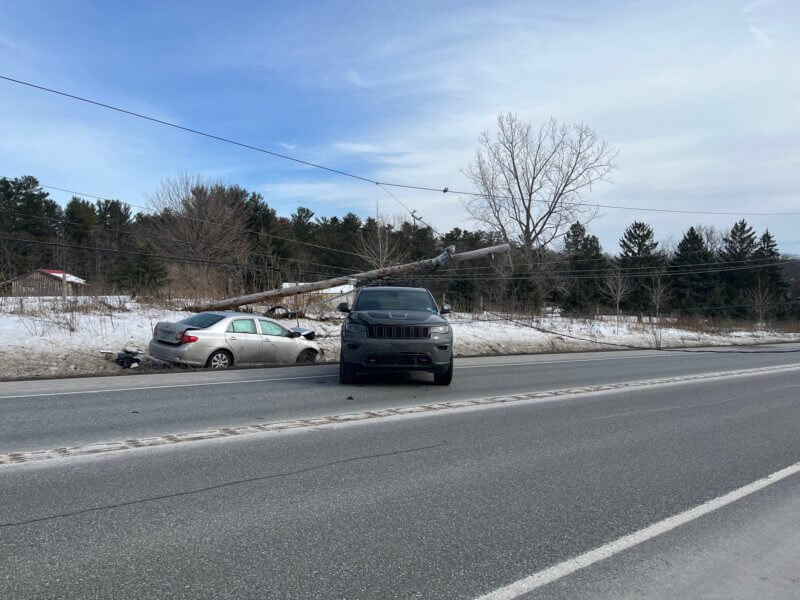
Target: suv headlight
x=354, y=327
x=440, y=329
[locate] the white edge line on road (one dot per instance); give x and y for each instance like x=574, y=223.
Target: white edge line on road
x=240, y=381
x=14, y=459
x=563, y=569
x=160, y=387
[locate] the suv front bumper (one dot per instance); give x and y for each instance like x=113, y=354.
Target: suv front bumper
x=368, y=354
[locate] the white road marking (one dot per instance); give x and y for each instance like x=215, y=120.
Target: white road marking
x=563, y=569
x=561, y=362
x=206, y=383
x=160, y=387
x=418, y=410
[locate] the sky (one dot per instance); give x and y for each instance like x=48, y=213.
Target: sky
x=702, y=100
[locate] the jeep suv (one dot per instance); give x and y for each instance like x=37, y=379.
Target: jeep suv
x=396, y=329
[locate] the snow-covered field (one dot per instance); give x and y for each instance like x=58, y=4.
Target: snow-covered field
x=39, y=338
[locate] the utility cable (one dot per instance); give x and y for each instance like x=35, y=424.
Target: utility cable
x=444, y=190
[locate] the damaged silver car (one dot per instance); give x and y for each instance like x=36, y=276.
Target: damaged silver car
x=220, y=340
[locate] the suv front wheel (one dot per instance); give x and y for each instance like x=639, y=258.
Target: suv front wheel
x=446, y=377
x=347, y=374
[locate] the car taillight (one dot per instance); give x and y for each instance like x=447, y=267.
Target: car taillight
x=188, y=339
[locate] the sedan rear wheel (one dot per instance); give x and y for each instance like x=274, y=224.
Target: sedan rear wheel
x=220, y=359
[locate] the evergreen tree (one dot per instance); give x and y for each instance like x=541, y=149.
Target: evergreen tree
x=738, y=249
x=770, y=277
x=114, y=231
x=690, y=290
x=585, y=266
x=80, y=220
x=27, y=212
x=639, y=259
x=141, y=274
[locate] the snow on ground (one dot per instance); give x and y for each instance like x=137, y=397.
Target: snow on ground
x=40, y=337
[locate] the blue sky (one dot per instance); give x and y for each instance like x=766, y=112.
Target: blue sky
x=701, y=98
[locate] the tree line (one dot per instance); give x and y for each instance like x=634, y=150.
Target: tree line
x=201, y=239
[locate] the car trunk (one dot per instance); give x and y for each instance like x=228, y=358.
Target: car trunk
x=169, y=333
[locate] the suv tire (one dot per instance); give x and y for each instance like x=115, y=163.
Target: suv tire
x=347, y=374
x=446, y=377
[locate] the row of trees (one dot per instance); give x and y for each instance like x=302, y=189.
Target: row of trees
x=200, y=240
x=735, y=274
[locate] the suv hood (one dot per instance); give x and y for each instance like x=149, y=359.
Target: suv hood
x=417, y=317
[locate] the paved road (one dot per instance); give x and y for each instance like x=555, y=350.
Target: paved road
x=55, y=413
x=452, y=504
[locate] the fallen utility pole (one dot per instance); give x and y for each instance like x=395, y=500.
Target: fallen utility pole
x=430, y=264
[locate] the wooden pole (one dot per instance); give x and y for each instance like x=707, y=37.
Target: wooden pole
x=432, y=263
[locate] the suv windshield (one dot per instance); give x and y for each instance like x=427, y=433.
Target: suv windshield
x=202, y=320
x=395, y=300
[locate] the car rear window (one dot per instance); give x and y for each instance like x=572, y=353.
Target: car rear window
x=201, y=320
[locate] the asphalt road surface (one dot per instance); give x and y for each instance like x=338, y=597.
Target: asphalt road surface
x=607, y=490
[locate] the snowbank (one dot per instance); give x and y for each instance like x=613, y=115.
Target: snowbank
x=39, y=338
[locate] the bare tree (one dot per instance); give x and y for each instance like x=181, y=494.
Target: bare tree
x=760, y=298
x=658, y=292
x=712, y=236
x=202, y=221
x=377, y=246
x=531, y=183
x=616, y=287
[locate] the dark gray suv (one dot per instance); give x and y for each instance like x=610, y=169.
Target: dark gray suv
x=396, y=329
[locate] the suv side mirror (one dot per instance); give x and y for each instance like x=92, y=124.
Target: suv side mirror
x=344, y=307
x=445, y=309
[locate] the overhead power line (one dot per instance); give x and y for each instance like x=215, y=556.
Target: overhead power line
x=442, y=190
x=629, y=272
x=166, y=257
x=160, y=238
x=413, y=213
x=195, y=219
x=638, y=275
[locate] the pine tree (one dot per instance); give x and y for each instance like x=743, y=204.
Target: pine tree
x=29, y=213
x=738, y=249
x=639, y=259
x=141, y=274
x=692, y=291
x=586, y=265
x=770, y=277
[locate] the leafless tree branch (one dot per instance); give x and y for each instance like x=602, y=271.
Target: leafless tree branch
x=532, y=182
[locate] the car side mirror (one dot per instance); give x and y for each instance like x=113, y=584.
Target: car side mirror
x=295, y=334
x=344, y=307
x=445, y=309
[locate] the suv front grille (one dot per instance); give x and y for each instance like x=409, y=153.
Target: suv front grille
x=398, y=332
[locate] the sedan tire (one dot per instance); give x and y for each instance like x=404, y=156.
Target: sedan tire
x=220, y=359
x=307, y=357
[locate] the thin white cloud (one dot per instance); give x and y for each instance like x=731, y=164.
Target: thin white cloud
x=359, y=148
x=761, y=37
x=357, y=80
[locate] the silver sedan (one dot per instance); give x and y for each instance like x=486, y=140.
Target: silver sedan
x=220, y=340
